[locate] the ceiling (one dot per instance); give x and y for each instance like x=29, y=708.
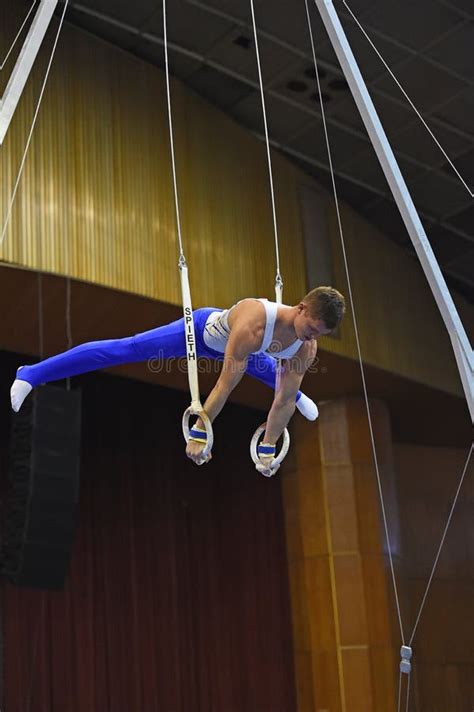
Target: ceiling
x=427, y=43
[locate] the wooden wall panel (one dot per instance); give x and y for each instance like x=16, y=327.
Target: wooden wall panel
x=443, y=647
x=95, y=203
x=343, y=618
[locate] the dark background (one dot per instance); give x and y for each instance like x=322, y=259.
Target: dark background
x=178, y=593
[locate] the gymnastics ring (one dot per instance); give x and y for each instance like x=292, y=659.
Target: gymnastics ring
x=276, y=462
x=207, y=424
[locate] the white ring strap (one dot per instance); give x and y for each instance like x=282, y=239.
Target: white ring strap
x=190, y=335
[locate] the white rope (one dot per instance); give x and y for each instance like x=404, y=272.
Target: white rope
x=18, y=35
x=68, y=322
x=367, y=401
x=40, y=316
x=441, y=544
x=399, y=691
x=170, y=122
x=407, y=699
x=190, y=336
x=30, y=135
x=278, y=279
x=409, y=100
x=68, y=300
x=356, y=329
x=408, y=692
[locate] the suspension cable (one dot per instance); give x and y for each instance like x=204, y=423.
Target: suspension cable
x=33, y=124
x=408, y=99
x=182, y=259
x=395, y=588
x=190, y=335
x=278, y=278
x=68, y=321
x=18, y=35
x=356, y=328
x=441, y=544
x=40, y=315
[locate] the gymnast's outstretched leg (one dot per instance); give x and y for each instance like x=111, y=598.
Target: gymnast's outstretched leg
x=160, y=343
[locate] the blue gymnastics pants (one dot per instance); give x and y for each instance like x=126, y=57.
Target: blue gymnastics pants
x=163, y=342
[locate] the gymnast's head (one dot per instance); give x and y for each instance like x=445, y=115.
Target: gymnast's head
x=319, y=313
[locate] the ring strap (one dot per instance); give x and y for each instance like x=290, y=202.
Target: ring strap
x=266, y=449
x=198, y=434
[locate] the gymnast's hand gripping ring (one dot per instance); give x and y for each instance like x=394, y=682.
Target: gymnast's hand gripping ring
x=276, y=462
x=207, y=424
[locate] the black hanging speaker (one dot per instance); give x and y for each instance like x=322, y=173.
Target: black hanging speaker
x=43, y=493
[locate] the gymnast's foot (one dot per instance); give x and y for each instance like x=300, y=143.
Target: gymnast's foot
x=307, y=407
x=18, y=392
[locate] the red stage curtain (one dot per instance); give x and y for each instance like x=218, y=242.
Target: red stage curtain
x=178, y=597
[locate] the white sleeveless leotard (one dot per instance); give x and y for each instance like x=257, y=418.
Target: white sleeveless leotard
x=216, y=332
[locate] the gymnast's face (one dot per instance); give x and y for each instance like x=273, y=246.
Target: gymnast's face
x=307, y=327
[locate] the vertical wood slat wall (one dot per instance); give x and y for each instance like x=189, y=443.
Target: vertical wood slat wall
x=96, y=197
x=344, y=629
x=95, y=203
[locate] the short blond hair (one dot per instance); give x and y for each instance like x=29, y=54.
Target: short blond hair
x=327, y=304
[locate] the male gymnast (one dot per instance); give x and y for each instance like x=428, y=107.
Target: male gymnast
x=248, y=338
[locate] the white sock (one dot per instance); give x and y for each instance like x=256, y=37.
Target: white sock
x=307, y=407
x=18, y=393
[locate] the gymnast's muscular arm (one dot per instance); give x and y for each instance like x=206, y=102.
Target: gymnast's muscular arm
x=283, y=405
x=245, y=337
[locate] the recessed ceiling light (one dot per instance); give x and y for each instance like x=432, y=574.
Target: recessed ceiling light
x=243, y=41
x=297, y=85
